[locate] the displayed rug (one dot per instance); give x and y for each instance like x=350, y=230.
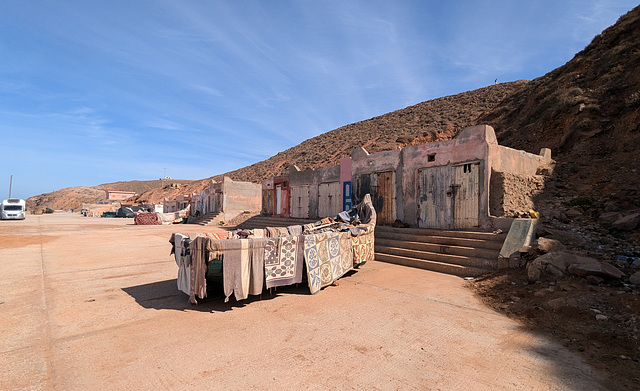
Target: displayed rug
x=363, y=250
x=322, y=257
x=256, y=267
x=283, y=259
x=335, y=260
x=235, y=268
x=346, y=254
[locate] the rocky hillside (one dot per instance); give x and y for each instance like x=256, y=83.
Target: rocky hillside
x=436, y=119
x=74, y=197
x=588, y=113
x=433, y=120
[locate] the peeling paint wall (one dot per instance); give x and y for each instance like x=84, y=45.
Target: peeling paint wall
x=464, y=167
x=364, y=173
x=470, y=147
x=238, y=197
x=313, y=179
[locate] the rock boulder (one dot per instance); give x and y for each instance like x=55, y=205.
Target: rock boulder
x=555, y=265
x=585, y=266
x=627, y=223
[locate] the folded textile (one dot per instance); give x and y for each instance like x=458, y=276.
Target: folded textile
x=295, y=229
x=283, y=259
x=235, y=268
x=272, y=232
x=199, y=248
x=218, y=235
x=282, y=231
x=183, y=260
x=307, y=229
x=256, y=268
x=259, y=233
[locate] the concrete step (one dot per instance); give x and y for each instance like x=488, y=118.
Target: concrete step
x=466, y=251
x=481, y=263
x=204, y=219
x=462, y=253
x=442, y=240
x=479, y=235
x=441, y=267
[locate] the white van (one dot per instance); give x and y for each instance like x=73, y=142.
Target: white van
x=13, y=209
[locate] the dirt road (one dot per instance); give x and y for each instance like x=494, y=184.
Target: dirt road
x=90, y=303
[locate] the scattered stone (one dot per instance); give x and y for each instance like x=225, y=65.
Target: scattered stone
x=585, y=266
x=555, y=304
x=574, y=213
x=597, y=311
x=609, y=217
x=594, y=280
x=541, y=293
x=635, y=278
x=601, y=317
x=636, y=264
x=627, y=223
x=551, y=264
x=515, y=299
x=545, y=245
x=611, y=207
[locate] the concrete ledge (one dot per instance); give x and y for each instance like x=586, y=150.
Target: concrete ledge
x=520, y=234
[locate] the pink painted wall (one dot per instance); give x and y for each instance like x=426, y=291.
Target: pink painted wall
x=471, y=145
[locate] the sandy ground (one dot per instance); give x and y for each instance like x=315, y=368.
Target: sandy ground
x=90, y=303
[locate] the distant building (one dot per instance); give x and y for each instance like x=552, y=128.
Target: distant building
x=119, y=195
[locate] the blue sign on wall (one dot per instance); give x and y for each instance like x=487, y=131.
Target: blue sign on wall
x=346, y=195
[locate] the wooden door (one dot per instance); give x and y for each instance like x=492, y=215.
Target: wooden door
x=448, y=196
x=384, y=200
x=300, y=202
x=267, y=202
x=465, y=198
x=329, y=199
x=434, y=202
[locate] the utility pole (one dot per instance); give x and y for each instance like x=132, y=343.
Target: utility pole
x=10, y=183
x=164, y=176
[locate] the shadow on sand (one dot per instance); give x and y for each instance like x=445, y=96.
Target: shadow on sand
x=164, y=295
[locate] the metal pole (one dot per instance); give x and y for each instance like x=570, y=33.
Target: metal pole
x=10, y=183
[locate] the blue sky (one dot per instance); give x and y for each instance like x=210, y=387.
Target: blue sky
x=101, y=91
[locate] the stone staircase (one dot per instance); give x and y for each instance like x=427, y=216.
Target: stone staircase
x=205, y=219
x=462, y=253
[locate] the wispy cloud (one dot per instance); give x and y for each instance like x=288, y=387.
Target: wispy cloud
x=120, y=90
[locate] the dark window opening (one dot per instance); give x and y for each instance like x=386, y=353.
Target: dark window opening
x=431, y=157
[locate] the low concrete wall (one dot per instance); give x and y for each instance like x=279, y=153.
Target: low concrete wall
x=241, y=196
x=505, y=159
